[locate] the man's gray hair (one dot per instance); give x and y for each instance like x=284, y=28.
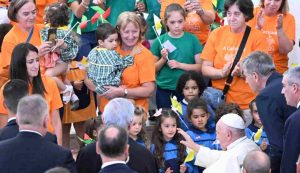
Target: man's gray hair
x=293, y=75
x=32, y=110
x=258, y=62
x=118, y=111
x=257, y=162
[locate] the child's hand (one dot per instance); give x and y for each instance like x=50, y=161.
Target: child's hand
x=135, y=50
x=173, y=64
x=78, y=85
x=182, y=168
x=263, y=145
x=164, y=53
x=169, y=170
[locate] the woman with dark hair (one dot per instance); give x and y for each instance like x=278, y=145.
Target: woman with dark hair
x=278, y=25
x=23, y=13
x=221, y=49
x=25, y=65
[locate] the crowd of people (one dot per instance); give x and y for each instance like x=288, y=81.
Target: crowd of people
x=219, y=99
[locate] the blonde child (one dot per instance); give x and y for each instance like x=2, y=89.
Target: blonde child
x=136, y=129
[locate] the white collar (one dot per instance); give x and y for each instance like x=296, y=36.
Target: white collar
x=185, y=102
x=31, y=132
x=111, y=163
x=236, y=142
x=10, y=119
x=298, y=105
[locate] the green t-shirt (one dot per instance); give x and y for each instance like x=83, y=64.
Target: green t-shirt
x=117, y=7
x=89, y=14
x=187, y=47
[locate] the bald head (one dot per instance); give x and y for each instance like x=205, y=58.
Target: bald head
x=257, y=162
x=112, y=141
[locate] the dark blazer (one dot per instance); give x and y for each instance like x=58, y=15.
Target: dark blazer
x=28, y=152
x=274, y=111
x=140, y=159
x=117, y=168
x=12, y=129
x=291, y=143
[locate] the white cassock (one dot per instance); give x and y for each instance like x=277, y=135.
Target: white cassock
x=230, y=160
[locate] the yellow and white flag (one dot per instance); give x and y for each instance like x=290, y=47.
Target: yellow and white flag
x=157, y=24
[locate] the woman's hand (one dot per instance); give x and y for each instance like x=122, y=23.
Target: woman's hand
x=44, y=48
x=113, y=92
x=188, y=141
x=237, y=71
x=279, y=22
x=260, y=20
x=173, y=64
x=141, y=6
x=226, y=69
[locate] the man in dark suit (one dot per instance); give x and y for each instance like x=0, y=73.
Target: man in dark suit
x=13, y=91
x=291, y=138
x=260, y=74
x=119, y=112
x=28, y=152
x=113, y=149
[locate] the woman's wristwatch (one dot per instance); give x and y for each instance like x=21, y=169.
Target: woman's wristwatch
x=125, y=92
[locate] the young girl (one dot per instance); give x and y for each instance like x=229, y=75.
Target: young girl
x=64, y=47
x=191, y=85
x=253, y=128
x=200, y=129
x=179, y=52
x=166, y=146
x=136, y=129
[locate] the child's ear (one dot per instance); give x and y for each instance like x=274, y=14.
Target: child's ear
x=101, y=43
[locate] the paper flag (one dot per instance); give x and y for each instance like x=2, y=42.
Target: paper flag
x=78, y=30
x=258, y=134
x=95, y=17
x=86, y=142
x=294, y=64
x=157, y=24
x=176, y=104
x=214, y=2
x=106, y=13
x=145, y=15
x=190, y=156
x=83, y=24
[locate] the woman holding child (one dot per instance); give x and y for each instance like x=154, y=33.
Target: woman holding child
x=137, y=80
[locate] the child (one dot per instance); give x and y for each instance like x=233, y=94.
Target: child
x=136, y=129
x=178, y=53
x=191, y=85
x=105, y=64
x=166, y=146
x=226, y=108
x=252, y=129
x=200, y=131
x=64, y=47
x=92, y=126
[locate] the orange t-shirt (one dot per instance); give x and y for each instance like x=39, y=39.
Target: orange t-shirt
x=270, y=31
x=41, y=5
x=13, y=38
x=142, y=71
x=193, y=22
x=52, y=97
x=221, y=47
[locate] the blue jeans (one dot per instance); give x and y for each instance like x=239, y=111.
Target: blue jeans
x=163, y=97
x=87, y=42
